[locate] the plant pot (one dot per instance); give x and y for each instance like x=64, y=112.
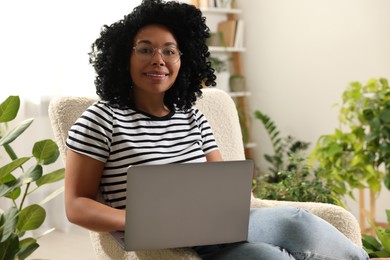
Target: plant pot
x=237, y=83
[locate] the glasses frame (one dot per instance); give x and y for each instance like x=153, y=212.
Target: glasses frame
x=161, y=54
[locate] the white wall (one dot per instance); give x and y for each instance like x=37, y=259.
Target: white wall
x=44, y=44
x=302, y=54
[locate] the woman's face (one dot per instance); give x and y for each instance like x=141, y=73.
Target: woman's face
x=155, y=60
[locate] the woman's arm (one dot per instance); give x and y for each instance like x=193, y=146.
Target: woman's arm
x=214, y=156
x=82, y=179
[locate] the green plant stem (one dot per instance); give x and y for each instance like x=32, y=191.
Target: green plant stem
x=14, y=202
x=24, y=196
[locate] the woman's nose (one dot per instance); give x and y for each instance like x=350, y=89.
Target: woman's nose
x=157, y=58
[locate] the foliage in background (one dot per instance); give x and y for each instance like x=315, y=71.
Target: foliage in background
x=218, y=64
x=357, y=154
x=18, y=180
x=289, y=176
x=378, y=246
x=283, y=149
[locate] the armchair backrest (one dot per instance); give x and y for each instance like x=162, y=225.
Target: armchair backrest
x=216, y=105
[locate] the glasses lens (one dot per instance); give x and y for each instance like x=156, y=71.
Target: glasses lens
x=145, y=52
x=170, y=54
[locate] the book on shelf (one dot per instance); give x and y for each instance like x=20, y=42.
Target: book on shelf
x=222, y=3
x=232, y=32
x=212, y=3
x=228, y=31
x=239, y=35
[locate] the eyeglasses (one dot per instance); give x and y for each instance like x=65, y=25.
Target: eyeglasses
x=145, y=52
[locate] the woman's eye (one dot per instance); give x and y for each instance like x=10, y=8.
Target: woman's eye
x=146, y=50
x=169, y=52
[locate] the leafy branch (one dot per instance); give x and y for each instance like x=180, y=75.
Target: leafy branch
x=18, y=181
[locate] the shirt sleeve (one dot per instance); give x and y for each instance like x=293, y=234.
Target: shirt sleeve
x=91, y=134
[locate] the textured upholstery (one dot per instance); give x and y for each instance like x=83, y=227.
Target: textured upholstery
x=221, y=113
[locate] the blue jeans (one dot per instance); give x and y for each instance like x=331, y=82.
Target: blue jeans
x=287, y=233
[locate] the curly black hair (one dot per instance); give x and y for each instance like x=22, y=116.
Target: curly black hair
x=111, y=52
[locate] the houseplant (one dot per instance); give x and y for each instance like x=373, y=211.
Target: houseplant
x=289, y=177
x=378, y=246
x=18, y=179
x=220, y=65
x=357, y=154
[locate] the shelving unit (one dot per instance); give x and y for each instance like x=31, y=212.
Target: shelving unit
x=214, y=16
x=225, y=49
x=239, y=94
x=220, y=10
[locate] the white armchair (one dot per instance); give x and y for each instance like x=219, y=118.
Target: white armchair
x=220, y=110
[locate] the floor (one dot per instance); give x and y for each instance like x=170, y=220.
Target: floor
x=59, y=245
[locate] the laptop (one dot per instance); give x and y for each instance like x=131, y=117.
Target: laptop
x=185, y=205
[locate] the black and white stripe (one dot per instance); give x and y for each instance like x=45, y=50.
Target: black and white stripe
x=123, y=137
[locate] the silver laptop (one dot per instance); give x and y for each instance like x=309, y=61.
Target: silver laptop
x=184, y=205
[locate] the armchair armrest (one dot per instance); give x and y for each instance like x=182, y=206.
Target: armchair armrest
x=106, y=247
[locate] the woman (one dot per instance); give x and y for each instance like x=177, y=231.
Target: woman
x=150, y=67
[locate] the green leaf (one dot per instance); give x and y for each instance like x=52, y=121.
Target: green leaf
x=9, y=247
x=5, y=189
x=27, y=247
x=385, y=116
x=8, y=168
x=32, y=174
x=384, y=238
x=10, y=136
x=371, y=242
x=7, y=178
x=384, y=82
x=387, y=181
x=13, y=193
x=8, y=223
x=382, y=254
x=334, y=149
x=31, y=217
x=9, y=108
x=46, y=151
x=51, y=177
x=10, y=152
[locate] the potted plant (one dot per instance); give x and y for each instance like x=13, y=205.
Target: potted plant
x=237, y=83
x=357, y=154
x=289, y=176
x=18, y=179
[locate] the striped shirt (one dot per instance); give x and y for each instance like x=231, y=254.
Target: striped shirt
x=123, y=137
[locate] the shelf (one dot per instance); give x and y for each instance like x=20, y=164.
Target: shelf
x=225, y=22
x=216, y=10
x=250, y=145
x=225, y=49
x=240, y=94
